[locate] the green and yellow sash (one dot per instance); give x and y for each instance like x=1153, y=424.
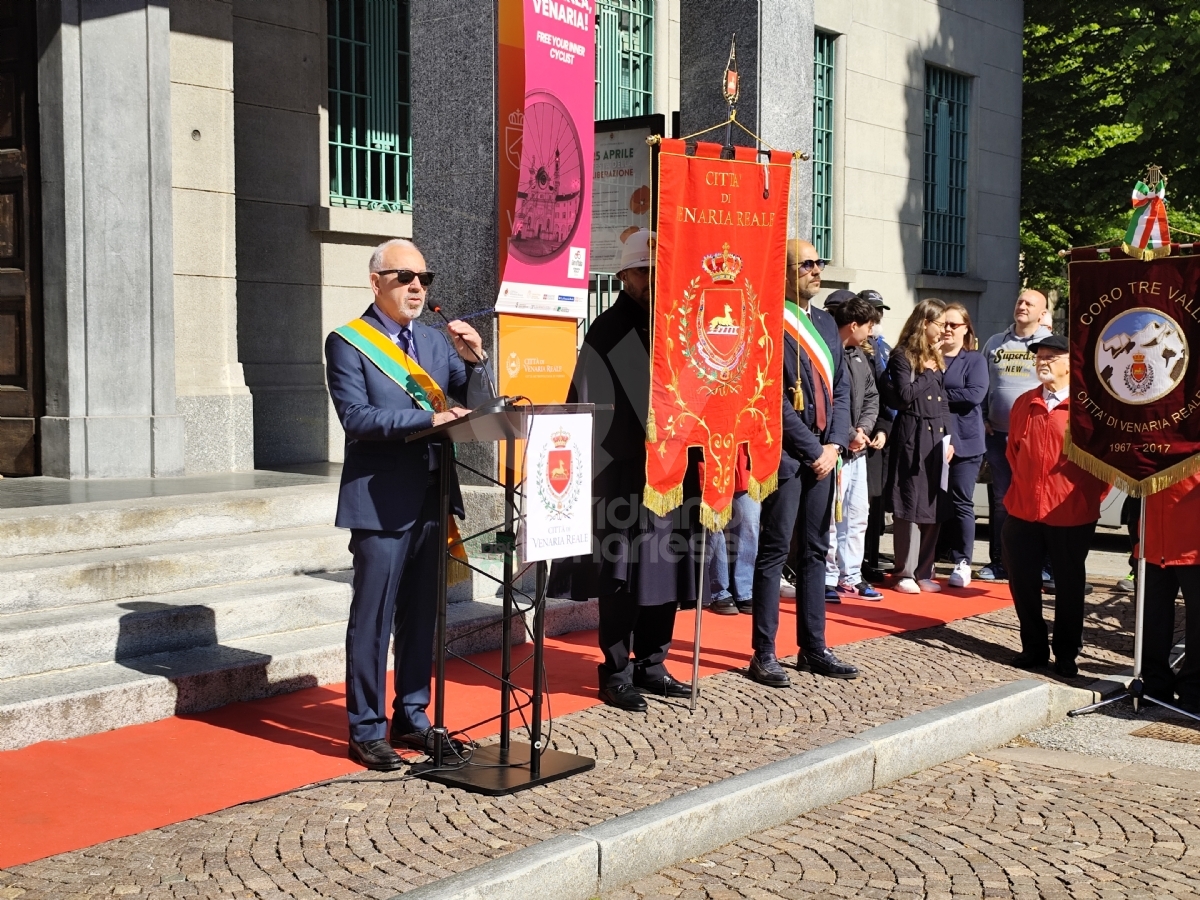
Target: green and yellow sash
x=394, y=363
x=426, y=393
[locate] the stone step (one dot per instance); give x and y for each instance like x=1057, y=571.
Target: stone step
x=108, y=630
x=99, y=697
x=27, y=531
x=71, y=636
x=156, y=520
x=89, y=576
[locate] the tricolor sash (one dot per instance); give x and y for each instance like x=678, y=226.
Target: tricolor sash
x=394, y=363
x=425, y=392
x=1148, y=235
x=799, y=325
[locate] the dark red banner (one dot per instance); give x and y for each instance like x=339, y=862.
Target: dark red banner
x=718, y=323
x=1135, y=386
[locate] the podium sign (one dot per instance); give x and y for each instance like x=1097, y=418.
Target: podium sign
x=558, y=488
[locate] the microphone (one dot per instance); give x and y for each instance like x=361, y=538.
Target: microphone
x=498, y=401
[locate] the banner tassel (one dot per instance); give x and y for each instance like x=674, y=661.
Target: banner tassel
x=760, y=490
x=651, y=427
x=713, y=520
x=661, y=503
x=1181, y=471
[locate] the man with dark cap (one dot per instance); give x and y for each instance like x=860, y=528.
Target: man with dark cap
x=816, y=422
x=633, y=570
x=1053, y=506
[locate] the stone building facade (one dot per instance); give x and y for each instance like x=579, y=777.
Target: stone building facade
x=191, y=236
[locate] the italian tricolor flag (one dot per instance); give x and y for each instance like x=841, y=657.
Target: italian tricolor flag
x=1148, y=229
x=797, y=323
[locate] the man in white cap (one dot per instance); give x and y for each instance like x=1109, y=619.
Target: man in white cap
x=639, y=586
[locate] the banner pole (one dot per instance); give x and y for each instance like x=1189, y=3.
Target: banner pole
x=1136, y=686
x=699, y=614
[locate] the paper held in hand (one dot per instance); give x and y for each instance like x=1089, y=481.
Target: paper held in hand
x=557, y=488
x=945, y=485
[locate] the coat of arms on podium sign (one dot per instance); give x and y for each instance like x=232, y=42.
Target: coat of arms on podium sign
x=558, y=488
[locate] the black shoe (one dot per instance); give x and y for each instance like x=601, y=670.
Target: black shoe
x=624, y=696
x=1065, y=667
x=1025, y=660
x=1188, y=705
x=825, y=663
x=376, y=755
x=726, y=607
x=423, y=741
x=746, y=607
x=666, y=686
x=832, y=595
x=767, y=670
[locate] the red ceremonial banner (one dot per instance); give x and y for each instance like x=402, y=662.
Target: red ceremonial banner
x=1135, y=387
x=718, y=323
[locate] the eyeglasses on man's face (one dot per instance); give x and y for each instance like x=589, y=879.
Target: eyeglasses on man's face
x=953, y=326
x=809, y=264
x=405, y=276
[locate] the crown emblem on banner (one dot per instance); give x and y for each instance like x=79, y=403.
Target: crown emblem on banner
x=723, y=266
x=560, y=439
x=516, y=117
x=1139, y=357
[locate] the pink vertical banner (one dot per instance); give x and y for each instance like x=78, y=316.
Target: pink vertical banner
x=546, y=266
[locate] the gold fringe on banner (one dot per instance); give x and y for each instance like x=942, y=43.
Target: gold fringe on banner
x=1160, y=481
x=457, y=569
x=1146, y=254
x=651, y=425
x=713, y=520
x=662, y=503
x=760, y=490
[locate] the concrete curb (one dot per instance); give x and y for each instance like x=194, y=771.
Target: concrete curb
x=581, y=866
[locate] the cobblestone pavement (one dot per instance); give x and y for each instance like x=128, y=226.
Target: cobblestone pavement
x=376, y=835
x=970, y=828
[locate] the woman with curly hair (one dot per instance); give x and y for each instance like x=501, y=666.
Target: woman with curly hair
x=915, y=498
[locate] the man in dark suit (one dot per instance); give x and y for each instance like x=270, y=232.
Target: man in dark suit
x=816, y=422
x=390, y=376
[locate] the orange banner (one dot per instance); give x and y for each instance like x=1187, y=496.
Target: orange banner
x=718, y=323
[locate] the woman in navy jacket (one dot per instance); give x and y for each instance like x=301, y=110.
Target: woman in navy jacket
x=966, y=383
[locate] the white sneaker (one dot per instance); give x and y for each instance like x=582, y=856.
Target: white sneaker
x=907, y=586
x=961, y=576
x=787, y=591
x=928, y=584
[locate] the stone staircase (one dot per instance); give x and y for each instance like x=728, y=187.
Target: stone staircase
x=125, y=611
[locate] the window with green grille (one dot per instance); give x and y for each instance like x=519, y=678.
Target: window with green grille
x=822, y=199
x=624, y=58
x=370, y=133
x=944, y=236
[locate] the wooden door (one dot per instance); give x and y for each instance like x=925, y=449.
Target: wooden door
x=21, y=387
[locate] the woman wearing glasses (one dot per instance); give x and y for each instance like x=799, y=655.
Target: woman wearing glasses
x=966, y=383
x=919, y=447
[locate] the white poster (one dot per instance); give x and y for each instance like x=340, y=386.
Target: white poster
x=620, y=193
x=557, y=488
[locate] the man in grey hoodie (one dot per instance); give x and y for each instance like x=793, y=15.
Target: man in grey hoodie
x=1011, y=373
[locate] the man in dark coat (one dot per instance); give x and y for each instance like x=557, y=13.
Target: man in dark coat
x=643, y=565
x=389, y=496
x=803, y=500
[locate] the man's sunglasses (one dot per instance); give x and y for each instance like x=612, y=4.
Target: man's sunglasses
x=405, y=276
x=809, y=264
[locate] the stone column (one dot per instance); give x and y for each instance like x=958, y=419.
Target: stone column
x=455, y=159
x=105, y=118
x=212, y=393
x=775, y=62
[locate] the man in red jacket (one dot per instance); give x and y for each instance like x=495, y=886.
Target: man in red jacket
x=1053, y=506
x=1172, y=562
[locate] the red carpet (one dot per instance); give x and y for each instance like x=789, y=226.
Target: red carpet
x=63, y=795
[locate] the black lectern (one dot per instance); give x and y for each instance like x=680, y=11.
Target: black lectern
x=509, y=766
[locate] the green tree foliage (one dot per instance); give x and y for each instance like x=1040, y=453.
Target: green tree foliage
x=1110, y=88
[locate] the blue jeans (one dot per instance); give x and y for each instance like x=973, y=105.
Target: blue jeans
x=731, y=552
x=964, y=472
x=847, y=538
x=996, y=445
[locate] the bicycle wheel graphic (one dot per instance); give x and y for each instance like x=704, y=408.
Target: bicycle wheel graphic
x=550, y=189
